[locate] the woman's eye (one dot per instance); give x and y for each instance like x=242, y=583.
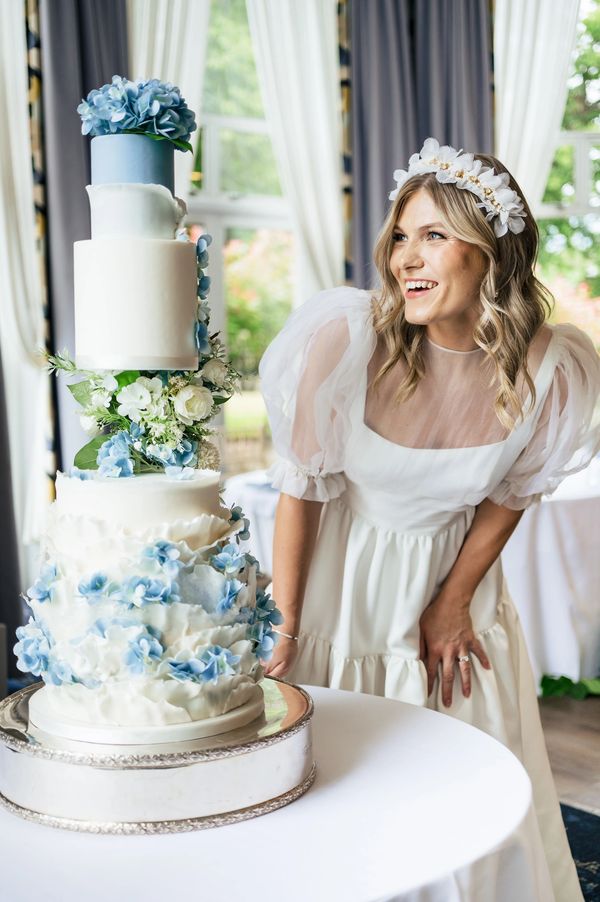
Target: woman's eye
x=437, y=234
x=397, y=236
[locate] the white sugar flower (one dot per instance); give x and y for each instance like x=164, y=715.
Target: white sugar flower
x=215, y=372
x=89, y=424
x=100, y=398
x=154, y=385
x=133, y=399
x=192, y=403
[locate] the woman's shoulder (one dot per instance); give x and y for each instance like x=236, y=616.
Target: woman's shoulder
x=342, y=304
x=561, y=344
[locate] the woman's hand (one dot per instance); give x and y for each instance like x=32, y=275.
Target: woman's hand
x=446, y=635
x=283, y=658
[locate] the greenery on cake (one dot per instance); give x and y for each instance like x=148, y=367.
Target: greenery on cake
x=142, y=421
x=153, y=108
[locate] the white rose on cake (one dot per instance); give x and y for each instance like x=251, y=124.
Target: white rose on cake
x=192, y=403
x=214, y=371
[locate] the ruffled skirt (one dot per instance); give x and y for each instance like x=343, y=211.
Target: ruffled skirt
x=367, y=589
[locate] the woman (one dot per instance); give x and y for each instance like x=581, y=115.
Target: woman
x=414, y=426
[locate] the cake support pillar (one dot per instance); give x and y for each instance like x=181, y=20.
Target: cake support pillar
x=167, y=788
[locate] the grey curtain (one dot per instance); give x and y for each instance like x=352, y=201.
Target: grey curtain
x=418, y=68
x=10, y=609
x=83, y=44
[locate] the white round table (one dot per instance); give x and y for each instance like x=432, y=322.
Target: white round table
x=408, y=805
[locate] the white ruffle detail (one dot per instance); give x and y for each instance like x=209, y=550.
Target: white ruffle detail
x=300, y=482
x=146, y=701
x=492, y=701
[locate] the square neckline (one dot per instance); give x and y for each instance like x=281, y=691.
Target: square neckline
x=362, y=399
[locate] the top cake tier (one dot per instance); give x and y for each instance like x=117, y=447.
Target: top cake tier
x=126, y=159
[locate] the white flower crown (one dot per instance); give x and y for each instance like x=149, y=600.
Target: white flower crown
x=503, y=205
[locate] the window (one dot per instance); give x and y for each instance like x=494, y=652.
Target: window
x=235, y=196
x=569, y=216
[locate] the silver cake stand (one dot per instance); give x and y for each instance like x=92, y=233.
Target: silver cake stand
x=168, y=788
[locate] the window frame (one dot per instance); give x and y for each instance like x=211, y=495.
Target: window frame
x=582, y=178
x=220, y=210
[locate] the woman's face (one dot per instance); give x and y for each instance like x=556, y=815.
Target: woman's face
x=453, y=270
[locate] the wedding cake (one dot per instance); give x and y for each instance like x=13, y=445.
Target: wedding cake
x=146, y=622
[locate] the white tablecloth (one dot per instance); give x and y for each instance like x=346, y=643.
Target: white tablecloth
x=551, y=563
x=552, y=569
x=408, y=805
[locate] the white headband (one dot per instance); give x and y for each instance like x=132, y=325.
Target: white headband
x=503, y=205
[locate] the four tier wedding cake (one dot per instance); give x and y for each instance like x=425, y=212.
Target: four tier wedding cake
x=147, y=625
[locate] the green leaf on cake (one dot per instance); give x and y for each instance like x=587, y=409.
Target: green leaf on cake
x=85, y=458
x=127, y=377
x=82, y=392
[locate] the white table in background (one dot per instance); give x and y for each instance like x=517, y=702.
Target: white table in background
x=408, y=805
x=552, y=569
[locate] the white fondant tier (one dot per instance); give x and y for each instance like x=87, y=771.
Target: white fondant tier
x=140, y=211
x=49, y=712
x=140, y=502
x=135, y=304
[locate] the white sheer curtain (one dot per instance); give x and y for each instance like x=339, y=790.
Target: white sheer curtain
x=533, y=42
x=296, y=51
x=21, y=316
x=168, y=40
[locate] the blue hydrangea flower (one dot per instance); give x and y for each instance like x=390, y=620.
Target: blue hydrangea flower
x=203, y=287
x=212, y=663
x=236, y=515
x=143, y=650
x=262, y=633
x=76, y=473
x=185, y=455
x=33, y=648
x=231, y=590
x=113, y=456
x=203, y=312
x=266, y=610
x=229, y=560
x=139, y=591
x=166, y=554
x=245, y=615
x=95, y=588
x=202, y=342
x=58, y=672
x=42, y=588
x=151, y=107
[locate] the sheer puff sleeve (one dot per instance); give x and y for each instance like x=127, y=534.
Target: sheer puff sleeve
x=567, y=434
x=309, y=377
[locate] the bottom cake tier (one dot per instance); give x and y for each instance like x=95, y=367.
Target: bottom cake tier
x=168, y=788
x=48, y=717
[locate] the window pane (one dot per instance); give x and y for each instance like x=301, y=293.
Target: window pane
x=258, y=265
x=247, y=164
x=230, y=81
x=561, y=188
x=569, y=249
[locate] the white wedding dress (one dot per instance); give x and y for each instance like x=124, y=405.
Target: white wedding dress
x=401, y=484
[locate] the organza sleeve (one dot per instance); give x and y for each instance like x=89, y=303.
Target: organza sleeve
x=567, y=433
x=309, y=377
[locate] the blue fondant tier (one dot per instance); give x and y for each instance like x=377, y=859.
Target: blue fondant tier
x=132, y=158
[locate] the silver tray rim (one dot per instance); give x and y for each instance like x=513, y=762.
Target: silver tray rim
x=132, y=828
x=18, y=741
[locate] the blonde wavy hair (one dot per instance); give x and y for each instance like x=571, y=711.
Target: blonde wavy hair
x=514, y=304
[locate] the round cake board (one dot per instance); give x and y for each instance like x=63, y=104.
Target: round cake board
x=159, y=788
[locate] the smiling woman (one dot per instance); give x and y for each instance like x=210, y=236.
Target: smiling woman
x=413, y=426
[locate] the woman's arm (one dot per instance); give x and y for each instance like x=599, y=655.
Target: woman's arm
x=296, y=527
x=446, y=628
